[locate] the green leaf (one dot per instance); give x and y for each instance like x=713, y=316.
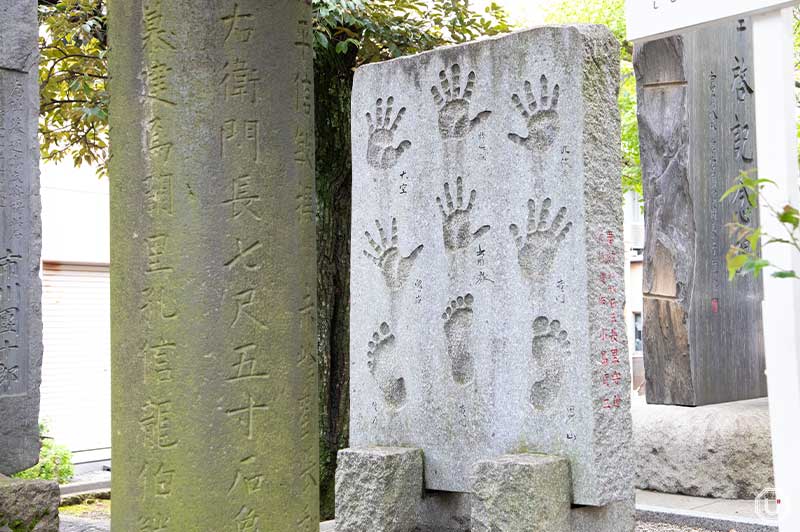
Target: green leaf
x=735, y=263
x=785, y=275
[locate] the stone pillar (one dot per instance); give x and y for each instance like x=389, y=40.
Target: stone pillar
x=378, y=489
x=522, y=493
x=213, y=266
x=703, y=337
x=20, y=238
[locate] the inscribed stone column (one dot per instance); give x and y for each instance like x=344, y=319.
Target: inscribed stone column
x=213, y=266
x=702, y=334
x=20, y=238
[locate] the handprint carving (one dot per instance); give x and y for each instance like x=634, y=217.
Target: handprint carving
x=381, y=151
x=454, y=120
x=395, y=267
x=537, y=248
x=456, y=226
x=542, y=117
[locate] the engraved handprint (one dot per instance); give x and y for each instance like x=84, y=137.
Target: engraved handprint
x=457, y=228
x=454, y=120
x=542, y=117
x=381, y=152
x=395, y=268
x=538, y=247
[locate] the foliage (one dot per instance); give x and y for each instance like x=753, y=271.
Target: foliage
x=612, y=14
x=385, y=29
x=72, y=80
x=55, y=462
x=747, y=259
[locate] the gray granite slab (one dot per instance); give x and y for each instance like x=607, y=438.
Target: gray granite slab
x=487, y=272
x=20, y=241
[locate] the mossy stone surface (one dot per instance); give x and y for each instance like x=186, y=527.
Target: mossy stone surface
x=213, y=266
x=28, y=505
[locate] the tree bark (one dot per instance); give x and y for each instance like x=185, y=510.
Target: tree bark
x=333, y=86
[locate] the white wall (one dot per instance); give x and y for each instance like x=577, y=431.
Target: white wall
x=75, y=215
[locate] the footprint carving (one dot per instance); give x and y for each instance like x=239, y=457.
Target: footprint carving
x=542, y=117
x=549, y=349
x=456, y=225
x=384, y=364
x=538, y=246
x=454, y=120
x=381, y=151
x=395, y=267
x=458, y=331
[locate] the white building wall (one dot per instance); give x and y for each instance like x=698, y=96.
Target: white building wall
x=76, y=385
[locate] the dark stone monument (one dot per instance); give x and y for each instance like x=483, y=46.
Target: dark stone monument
x=213, y=266
x=20, y=238
x=703, y=341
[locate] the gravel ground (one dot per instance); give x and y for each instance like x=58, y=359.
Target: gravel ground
x=659, y=527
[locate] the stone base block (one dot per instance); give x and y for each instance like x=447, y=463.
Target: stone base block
x=616, y=517
x=378, y=489
x=721, y=451
x=28, y=506
x=522, y=493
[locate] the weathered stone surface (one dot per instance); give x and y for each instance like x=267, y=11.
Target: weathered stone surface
x=20, y=239
x=522, y=493
x=472, y=338
x=616, y=517
x=20, y=30
x=28, y=505
x=213, y=266
x=378, y=489
x=721, y=451
x=703, y=340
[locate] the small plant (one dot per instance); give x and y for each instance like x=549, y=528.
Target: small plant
x=745, y=257
x=55, y=462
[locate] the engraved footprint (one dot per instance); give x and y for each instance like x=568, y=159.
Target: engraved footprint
x=549, y=349
x=538, y=247
x=456, y=224
x=454, y=120
x=387, y=257
x=381, y=151
x=458, y=330
x=384, y=365
x=542, y=118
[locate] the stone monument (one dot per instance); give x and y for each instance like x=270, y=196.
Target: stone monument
x=22, y=503
x=487, y=292
x=213, y=266
x=20, y=239
x=703, y=340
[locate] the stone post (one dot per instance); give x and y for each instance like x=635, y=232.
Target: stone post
x=213, y=266
x=20, y=238
x=703, y=334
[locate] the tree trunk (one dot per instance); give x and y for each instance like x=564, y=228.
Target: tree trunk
x=333, y=85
